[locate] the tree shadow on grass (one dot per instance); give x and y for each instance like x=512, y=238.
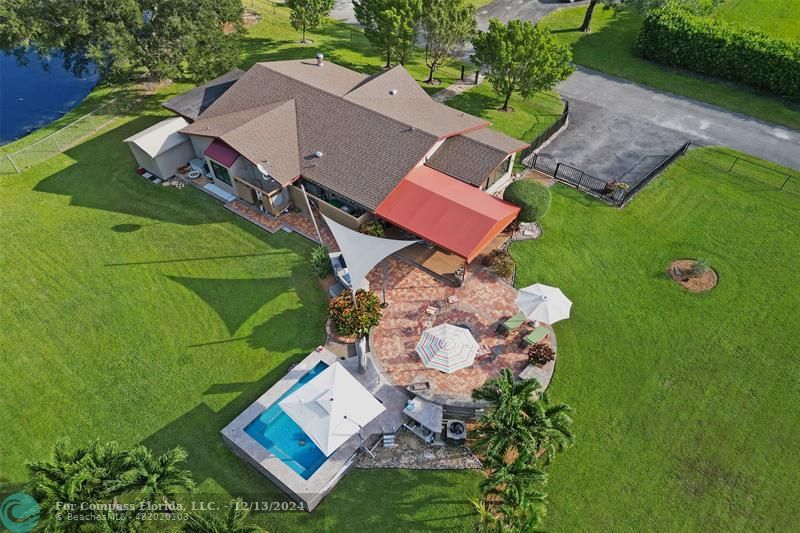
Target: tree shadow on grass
x=234, y=300
x=103, y=177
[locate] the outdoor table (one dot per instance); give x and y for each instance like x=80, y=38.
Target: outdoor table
x=426, y=413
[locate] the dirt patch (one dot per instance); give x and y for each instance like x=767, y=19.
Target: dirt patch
x=680, y=270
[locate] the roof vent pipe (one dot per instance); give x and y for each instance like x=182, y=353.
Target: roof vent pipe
x=393, y=92
x=320, y=57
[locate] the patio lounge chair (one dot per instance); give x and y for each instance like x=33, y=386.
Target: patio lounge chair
x=510, y=324
x=534, y=336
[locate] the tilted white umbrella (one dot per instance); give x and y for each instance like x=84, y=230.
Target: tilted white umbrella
x=543, y=303
x=447, y=348
x=331, y=408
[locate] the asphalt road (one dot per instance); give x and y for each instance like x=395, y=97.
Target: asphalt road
x=505, y=10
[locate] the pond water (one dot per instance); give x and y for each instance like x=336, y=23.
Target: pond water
x=32, y=97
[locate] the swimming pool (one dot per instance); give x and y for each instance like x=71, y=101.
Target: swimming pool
x=283, y=438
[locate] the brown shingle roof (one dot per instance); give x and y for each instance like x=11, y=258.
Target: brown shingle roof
x=194, y=102
x=265, y=135
x=365, y=154
x=473, y=156
x=289, y=110
x=411, y=104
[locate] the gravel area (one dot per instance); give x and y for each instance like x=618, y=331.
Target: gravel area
x=526, y=231
x=410, y=452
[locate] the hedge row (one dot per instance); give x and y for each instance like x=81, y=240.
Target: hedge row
x=674, y=37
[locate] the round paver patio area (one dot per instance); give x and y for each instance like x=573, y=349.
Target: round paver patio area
x=482, y=302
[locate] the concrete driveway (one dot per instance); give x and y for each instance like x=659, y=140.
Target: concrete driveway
x=616, y=127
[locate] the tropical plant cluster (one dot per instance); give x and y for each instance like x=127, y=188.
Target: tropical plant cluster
x=540, y=354
x=518, y=437
x=357, y=320
x=676, y=37
x=373, y=228
x=108, y=487
x=531, y=197
x=499, y=262
x=321, y=262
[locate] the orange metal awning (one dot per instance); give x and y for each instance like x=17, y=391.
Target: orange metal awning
x=447, y=212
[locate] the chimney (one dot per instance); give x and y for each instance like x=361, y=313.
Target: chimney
x=393, y=92
x=319, y=60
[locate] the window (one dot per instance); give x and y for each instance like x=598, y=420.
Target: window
x=498, y=173
x=220, y=172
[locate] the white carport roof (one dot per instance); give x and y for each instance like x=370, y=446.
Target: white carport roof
x=160, y=137
x=362, y=252
x=331, y=407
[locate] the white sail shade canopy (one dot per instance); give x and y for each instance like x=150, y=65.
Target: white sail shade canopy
x=331, y=408
x=543, y=303
x=362, y=252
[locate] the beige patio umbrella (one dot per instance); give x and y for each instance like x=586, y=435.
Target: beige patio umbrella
x=543, y=303
x=447, y=348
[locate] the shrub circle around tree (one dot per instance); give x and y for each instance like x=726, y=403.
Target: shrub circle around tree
x=356, y=322
x=531, y=197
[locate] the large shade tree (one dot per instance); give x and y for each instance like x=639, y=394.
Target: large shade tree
x=153, y=39
x=520, y=57
x=308, y=14
x=447, y=25
x=390, y=25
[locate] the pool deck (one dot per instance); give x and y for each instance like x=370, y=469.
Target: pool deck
x=310, y=492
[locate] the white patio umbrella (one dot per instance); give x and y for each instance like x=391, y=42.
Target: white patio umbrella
x=331, y=408
x=543, y=303
x=447, y=348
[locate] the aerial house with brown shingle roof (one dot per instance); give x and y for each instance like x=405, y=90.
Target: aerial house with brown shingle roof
x=356, y=144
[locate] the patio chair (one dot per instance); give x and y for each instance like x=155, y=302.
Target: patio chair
x=388, y=440
x=534, y=336
x=510, y=324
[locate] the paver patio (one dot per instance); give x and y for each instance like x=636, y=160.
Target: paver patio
x=483, y=301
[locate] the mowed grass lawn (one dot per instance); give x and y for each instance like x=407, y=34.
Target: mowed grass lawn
x=780, y=18
x=609, y=48
x=685, y=404
x=146, y=314
x=527, y=119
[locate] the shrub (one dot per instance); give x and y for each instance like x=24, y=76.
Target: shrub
x=320, y=262
x=675, y=37
x=372, y=227
x=698, y=268
x=531, y=197
x=540, y=354
x=350, y=322
x=500, y=263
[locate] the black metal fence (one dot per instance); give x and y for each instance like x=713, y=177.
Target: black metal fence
x=543, y=137
x=747, y=168
x=614, y=193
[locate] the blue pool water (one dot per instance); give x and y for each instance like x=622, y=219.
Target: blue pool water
x=31, y=97
x=278, y=433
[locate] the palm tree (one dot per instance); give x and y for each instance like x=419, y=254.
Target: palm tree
x=551, y=427
x=75, y=475
x=233, y=521
x=156, y=478
x=521, y=423
x=516, y=484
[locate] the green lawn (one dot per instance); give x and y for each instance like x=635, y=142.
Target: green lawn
x=609, y=48
x=780, y=18
x=148, y=314
x=528, y=119
x=684, y=403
